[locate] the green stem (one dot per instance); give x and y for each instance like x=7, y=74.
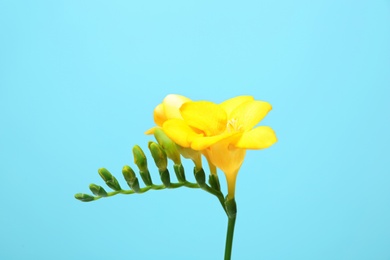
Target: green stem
x=229, y=238
x=152, y=187
x=216, y=193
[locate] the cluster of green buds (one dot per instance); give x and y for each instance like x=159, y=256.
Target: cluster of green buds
x=161, y=151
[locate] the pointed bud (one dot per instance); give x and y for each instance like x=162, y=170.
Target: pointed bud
x=179, y=171
x=168, y=145
x=159, y=156
x=141, y=162
x=109, y=179
x=131, y=178
x=84, y=197
x=98, y=190
x=140, y=158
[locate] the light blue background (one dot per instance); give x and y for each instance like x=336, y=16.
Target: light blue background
x=78, y=84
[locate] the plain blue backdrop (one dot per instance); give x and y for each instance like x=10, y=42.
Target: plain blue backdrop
x=78, y=84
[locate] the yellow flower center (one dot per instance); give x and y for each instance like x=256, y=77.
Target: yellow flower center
x=233, y=126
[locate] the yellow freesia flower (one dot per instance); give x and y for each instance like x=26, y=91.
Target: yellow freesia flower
x=223, y=132
x=170, y=109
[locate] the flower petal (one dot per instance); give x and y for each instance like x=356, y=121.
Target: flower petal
x=249, y=114
x=200, y=143
x=172, y=104
x=179, y=132
x=150, y=131
x=259, y=138
x=230, y=104
x=159, y=115
x=206, y=116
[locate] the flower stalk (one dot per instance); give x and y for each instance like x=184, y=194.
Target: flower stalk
x=221, y=133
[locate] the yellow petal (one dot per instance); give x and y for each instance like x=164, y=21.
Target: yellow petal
x=230, y=104
x=200, y=143
x=179, y=132
x=229, y=160
x=150, y=131
x=259, y=138
x=249, y=114
x=205, y=116
x=172, y=104
x=159, y=115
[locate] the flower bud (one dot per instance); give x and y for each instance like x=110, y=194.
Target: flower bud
x=131, y=178
x=141, y=162
x=110, y=180
x=159, y=156
x=84, y=197
x=98, y=190
x=140, y=158
x=168, y=145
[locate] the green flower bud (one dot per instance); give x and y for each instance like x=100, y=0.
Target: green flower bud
x=159, y=156
x=98, y=190
x=168, y=145
x=140, y=158
x=141, y=162
x=84, y=197
x=110, y=180
x=131, y=178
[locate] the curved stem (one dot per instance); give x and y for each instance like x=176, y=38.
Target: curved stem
x=229, y=238
x=151, y=187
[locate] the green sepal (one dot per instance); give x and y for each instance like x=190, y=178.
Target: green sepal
x=135, y=186
x=200, y=177
x=231, y=207
x=165, y=178
x=98, y=190
x=84, y=197
x=214, y=182
x=159, y=156
x=131, y=178
x=110, y=180
x=146, y=178
x=179, y=171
